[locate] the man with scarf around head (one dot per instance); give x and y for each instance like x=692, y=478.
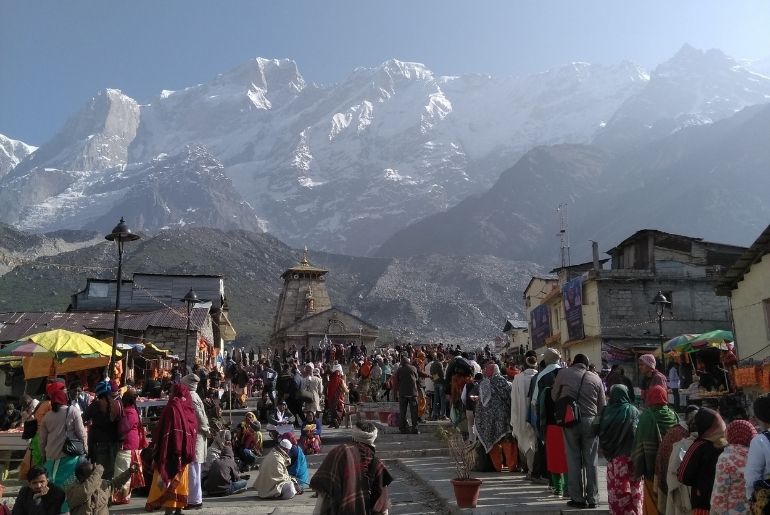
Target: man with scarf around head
x=195, y=496
x=174, y=441
x=352, y=480
x=523, y=432
x=582, y=439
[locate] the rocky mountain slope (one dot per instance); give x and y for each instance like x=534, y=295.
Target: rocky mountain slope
x=705, y=181
x=189, y=188
x=437, y=297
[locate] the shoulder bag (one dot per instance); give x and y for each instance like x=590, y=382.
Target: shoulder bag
x=567, y=408
x=73, y=446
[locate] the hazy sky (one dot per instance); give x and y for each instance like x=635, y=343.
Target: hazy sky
x=55, y=55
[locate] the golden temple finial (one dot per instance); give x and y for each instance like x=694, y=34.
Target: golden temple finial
x=305, y=261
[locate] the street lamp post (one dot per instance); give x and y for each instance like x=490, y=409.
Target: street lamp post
x=190, y=299
x=120, y=234
x=661, y=302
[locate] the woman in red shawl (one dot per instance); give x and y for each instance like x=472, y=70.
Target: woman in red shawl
x=335, y=396
x=174, y=440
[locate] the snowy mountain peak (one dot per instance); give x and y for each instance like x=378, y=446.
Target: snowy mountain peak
x=12, y=152
x=266, y=74
x=689, y=61
x=406, y=70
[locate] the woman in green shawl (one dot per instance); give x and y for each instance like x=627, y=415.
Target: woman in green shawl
x=616, y=439
x=653, y=424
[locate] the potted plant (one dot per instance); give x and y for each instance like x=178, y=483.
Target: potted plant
x=466, y=488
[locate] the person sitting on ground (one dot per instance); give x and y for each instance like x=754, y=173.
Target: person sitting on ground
x=249, y=441
x=281, y=415
x=223, y=477
x=40, y=497
x=342, y=493
x=11, y=418
x=214, y=450
x=273, y=480
x=310, y=441
x=298, y=467
x=90, y=494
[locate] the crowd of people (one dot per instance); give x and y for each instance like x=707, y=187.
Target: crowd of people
x=534, y=414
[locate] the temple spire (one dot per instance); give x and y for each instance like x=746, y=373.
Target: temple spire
x=305, y=261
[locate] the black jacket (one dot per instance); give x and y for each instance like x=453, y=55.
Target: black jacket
x=50, y=503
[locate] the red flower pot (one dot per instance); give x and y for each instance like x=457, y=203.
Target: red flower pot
x=384, y=415
x=466, y=492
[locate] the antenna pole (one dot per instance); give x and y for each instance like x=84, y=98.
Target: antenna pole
x=563, y=236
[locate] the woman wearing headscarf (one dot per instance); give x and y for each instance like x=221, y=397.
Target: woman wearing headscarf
x=728, y=496
x=133, y=441
x=493, y=421
x=616, y=439
x=335, y=396
x=699, y=465
x=678, y=496
x=174, y=441
x=61, y=422
x=654, y=422
x=672, y=436
x=103, y=415
x=298, y=467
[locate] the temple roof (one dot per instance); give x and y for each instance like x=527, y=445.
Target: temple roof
x=304, y=266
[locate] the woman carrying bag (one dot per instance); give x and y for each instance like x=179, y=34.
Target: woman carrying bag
x=62, y=438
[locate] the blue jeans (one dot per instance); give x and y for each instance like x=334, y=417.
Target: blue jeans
x=248, y=456
x=235, y=486
x=439, y=400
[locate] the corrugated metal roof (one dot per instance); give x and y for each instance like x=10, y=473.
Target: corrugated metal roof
x=16, y=325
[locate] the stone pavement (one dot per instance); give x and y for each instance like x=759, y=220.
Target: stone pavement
x=422, y=471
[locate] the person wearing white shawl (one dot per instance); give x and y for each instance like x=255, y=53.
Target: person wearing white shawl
x=523, y=432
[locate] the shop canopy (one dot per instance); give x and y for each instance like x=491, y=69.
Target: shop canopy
x=58, y=351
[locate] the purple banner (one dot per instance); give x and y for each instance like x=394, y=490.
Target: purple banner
x=540, y=321
x=572, y=297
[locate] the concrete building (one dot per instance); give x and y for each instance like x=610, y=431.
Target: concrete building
x=305, y=315
x=746, y=285
x=151, y=307
x=611, y=318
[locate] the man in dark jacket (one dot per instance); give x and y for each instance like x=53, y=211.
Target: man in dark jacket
x=40, y=497
x=224, y=478
x=406, y=383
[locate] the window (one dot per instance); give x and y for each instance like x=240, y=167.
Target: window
x=98, y=290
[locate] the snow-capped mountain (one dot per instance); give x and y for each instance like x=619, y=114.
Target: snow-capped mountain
x=343, y=167
x=12, y=152
x=694, y=87
x=188, y=189
x=95, y=138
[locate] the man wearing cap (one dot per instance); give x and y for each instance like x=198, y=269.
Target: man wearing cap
x=195, y=496
x=273, y=480
x=650, y=375
x=521, y=429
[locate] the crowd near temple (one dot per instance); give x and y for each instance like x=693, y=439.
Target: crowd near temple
x=650, y=367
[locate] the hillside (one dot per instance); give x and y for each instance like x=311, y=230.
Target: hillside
x=427, y=297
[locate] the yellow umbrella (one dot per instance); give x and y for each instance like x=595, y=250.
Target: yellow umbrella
x=68, y=352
